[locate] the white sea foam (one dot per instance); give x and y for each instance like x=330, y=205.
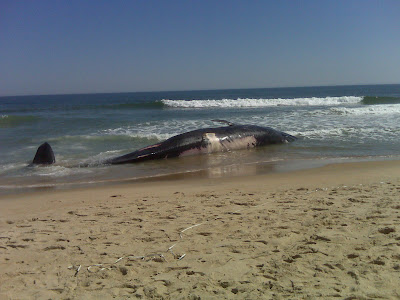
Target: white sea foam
x=348, y=133
x=368, y=110
x=143, y=133
x=160, y=130
x=60, y=171
x=10, y=167
x=249, y=102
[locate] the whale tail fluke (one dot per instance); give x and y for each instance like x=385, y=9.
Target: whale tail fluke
x=44, y=155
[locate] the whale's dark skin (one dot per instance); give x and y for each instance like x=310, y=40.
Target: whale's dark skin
x=44, y=155
x=200, y=141
x=208, y=140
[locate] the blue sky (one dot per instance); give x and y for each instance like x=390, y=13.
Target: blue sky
x=55, y=47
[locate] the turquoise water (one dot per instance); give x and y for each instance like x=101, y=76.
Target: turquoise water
x=339, y=122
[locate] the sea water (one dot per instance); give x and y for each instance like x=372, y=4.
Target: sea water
x=337, y=123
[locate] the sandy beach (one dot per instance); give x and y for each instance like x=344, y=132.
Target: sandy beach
x=328, y=232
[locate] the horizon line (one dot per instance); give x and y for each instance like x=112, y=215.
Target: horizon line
x=195, y=90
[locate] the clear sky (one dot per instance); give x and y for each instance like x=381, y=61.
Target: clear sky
x=49, y=47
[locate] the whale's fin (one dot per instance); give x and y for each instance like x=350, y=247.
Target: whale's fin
x=289, y=138
x=44, y=155
x=223, y=122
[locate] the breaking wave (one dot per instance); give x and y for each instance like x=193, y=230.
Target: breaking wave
x=249, y=102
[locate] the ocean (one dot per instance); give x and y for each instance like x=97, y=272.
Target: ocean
x=332, y=123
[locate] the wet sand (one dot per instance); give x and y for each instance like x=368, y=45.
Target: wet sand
x=326, y=232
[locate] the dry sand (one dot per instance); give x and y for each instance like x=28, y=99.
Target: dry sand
x=321, y=233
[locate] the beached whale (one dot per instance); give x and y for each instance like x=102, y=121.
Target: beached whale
x=200, y=141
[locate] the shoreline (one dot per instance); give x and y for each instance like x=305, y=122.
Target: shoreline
x=241, y=170
x=330, y=231
x=283, y=177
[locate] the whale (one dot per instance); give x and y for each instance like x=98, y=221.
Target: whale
x=200, y=141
